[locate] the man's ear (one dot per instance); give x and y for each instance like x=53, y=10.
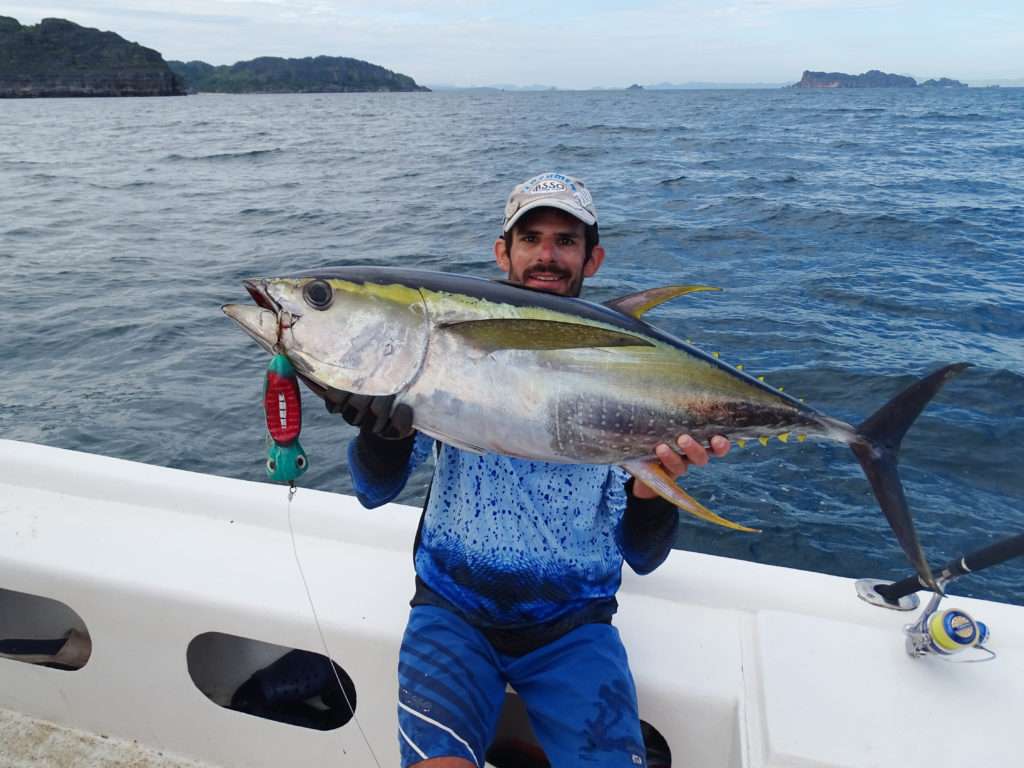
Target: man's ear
x=594, y=262
x=501, y=255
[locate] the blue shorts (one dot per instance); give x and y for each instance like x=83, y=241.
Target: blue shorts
x=578, y=692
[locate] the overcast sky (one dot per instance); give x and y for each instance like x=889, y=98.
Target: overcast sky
x=578, y=43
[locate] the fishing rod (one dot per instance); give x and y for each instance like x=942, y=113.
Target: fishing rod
x=942, y=633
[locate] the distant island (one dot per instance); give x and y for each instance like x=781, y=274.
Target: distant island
x=943, y=82
x=269, y=74
x=59, y=58
x=871, y=79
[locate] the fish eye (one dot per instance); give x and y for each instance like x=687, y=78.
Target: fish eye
x=271, y=465
x=318, y=294
x=300, y=462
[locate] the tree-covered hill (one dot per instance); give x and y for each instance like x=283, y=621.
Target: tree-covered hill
x=871, y=79
x=270, y=74
x=59, y=58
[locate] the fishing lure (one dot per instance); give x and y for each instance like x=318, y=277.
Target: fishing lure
x=286, y=460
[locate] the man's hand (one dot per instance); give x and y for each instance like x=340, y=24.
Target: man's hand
x=378, y=415
x=693, y=453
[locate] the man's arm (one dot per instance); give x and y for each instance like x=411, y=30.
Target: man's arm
x=380, y=468
x=648, y=530
x=381, y=457
x=649, y=523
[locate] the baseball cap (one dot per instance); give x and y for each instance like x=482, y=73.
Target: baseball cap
x=553, y=190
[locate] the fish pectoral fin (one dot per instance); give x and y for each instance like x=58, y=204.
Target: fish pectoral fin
x=494, y=334
x=652, y=474
x=635, y=304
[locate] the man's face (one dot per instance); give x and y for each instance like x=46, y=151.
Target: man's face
x=548, y=252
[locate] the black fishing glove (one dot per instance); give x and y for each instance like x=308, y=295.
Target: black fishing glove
x=376, y=414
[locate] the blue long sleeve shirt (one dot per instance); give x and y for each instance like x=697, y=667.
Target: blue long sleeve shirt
x=517, y=547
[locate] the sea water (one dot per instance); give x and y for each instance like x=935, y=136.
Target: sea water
x=862, y=239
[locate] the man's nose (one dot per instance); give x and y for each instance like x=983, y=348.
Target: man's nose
x=547, y=250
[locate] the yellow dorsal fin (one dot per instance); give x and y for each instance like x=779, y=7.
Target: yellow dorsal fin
x=635, y=304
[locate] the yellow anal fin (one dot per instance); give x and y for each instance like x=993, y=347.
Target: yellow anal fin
x=653, y=475
x=635, y=304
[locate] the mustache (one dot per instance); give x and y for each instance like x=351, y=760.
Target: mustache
x=547, y=269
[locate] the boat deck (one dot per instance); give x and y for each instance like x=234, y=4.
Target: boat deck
x=30, y=743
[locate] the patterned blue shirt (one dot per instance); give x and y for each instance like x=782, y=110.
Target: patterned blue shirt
x=510, y=542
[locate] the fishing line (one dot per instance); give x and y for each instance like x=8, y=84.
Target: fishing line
x=319, y=628
x=287, y=462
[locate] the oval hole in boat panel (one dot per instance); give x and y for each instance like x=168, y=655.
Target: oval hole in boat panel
x=278, y=683
x=516, y=746
x=41, y=630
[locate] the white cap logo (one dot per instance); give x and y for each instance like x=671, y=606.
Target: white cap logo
x=551, y=189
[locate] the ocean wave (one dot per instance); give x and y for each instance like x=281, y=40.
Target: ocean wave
x=1006, y=150
x=239, y=155
x=954, y=117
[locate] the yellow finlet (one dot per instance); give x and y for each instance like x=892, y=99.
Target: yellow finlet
x=761, y=379
x=801, y=438
x=781, y=389
x=784, y=437
x=741, y=443
x=763, y=440
x=739, y=367
x=653, y=475
x=716, y=355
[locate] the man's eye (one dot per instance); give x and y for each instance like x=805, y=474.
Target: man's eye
x=567, y=241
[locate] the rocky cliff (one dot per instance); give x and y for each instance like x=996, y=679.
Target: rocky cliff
x=268, y=74
x=60, y=58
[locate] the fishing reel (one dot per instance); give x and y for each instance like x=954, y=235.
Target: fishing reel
x=948, y=634
x=952, y=634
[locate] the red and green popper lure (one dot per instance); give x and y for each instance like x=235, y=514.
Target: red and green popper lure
x=286, y=461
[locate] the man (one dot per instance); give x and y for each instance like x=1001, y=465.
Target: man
x=518, y=562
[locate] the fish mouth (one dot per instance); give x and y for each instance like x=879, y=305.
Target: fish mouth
x=260, y=323
x=258, y=291
x=263, y=321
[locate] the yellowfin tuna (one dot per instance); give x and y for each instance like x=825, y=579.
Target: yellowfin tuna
x=492, y=367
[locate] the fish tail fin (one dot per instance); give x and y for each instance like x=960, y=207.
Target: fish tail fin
x=877, y=448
